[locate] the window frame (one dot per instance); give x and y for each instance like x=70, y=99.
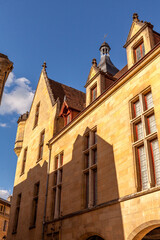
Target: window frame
x=147, y=138
x=24, y=161
x=34, y=208
x=36, y=117
x=17, y=212
x=142, y=50
x=88, y=169
x=41, y=146
x=57, y=185
x=92, y=98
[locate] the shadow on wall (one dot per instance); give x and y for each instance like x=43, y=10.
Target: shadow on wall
x=99, y=217
x=103, y=218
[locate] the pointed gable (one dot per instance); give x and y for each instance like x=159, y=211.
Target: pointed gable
x=93, y=71
x=141, y=39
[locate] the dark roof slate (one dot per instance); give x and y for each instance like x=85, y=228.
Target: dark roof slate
x=74, y=98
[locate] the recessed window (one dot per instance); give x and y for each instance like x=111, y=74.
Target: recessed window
x=5, y=226
x=145, y=143
x=24, y=161
x=139, y=51
x=41, y=145
x=34, y=205
x=36, y=115
x=16, y=216
x=57, y=185
x=90, y=168
x=93, y=93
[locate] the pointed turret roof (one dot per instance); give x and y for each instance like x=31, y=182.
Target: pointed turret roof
x=105, y=63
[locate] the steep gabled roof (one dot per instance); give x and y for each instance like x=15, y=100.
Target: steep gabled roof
x=74, y=98
x=121, y=72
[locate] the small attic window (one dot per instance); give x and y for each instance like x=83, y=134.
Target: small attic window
x=93, y=93
x=139, y=51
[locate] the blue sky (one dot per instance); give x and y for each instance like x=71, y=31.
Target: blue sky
x=67, y=35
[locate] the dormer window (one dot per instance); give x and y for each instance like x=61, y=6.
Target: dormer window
x=93, y=93
x=68, y=118
x=139, y=52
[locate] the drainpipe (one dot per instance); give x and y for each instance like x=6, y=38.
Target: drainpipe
x=46, y=195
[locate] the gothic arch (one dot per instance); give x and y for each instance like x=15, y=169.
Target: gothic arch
x=139, y=232
x=91, y=236
x=95, y=237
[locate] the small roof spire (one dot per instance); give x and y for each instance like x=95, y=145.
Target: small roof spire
x=44, y=65
x=105, y=63
x=94, y=62
x=135, y=17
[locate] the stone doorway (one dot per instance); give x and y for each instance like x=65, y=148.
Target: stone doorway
x=94, y=238
x=153, y=235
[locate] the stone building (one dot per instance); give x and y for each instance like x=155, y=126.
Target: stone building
x=6, y=67
x=88, y=165
x=4, y=217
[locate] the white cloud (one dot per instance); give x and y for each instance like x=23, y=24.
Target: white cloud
x=3, y=125
x=5, y=193
x=17, y=97
x=10, y=79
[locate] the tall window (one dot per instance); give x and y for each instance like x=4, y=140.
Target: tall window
x=41, y=144
x=35, y=205
x=145, y=144
x=5, y=226
x=90, y=168
x=16, y=217
x=93, y=93
x=139, y=52
x=1, y=209
x=57, y=185
x=36, y=115
x=24, y=161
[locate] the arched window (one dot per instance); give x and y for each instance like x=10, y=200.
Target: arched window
x=95, y=237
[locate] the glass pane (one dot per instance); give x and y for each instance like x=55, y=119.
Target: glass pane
x=151, y=124
x=94, y=156
x=156, y=158
x=95, y=137
x=94, y=186
x=148, y=100
x=143, y=50
x=61, y=159
x=143, y=167
x=87, y=189
x=138, y=53
x=86, y=160
x=137, y=108
x=139, y=131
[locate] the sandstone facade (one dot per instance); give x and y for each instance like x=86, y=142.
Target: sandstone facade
x=82, y=176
